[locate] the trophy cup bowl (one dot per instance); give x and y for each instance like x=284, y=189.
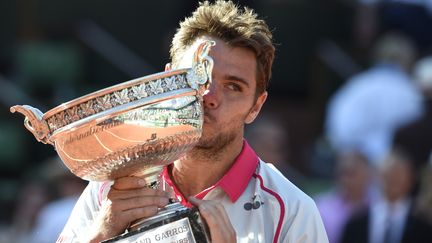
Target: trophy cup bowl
x=133, y=128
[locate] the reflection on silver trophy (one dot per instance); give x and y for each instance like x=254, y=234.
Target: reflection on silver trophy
x=134, y=128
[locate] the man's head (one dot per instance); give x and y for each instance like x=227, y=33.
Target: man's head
x=395, y=48
x=397, y=175
x=237, y=28
x=242, y=56
x=353, y=174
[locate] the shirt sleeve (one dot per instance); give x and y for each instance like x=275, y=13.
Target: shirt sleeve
x=84, y=212
x=306, y=226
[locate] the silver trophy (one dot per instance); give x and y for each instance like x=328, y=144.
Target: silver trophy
x=134, y=128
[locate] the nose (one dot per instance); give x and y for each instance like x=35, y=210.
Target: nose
x=211, y=99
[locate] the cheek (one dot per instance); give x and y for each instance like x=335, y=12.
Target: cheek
x=236, y=105
x=234, y=119
x=230, y=123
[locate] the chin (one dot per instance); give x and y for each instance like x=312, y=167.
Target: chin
x=217, y=142
x=204, y=142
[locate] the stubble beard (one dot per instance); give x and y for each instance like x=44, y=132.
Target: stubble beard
x=211, y=147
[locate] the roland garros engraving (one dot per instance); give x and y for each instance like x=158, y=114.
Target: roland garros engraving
x=179, y=231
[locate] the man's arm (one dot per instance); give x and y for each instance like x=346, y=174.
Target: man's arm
x=306, y=226
x=128, y=199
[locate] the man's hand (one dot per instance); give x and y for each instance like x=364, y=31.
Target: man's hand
x=221, y=229
x=129, y=199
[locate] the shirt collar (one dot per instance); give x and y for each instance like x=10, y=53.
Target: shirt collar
x=234, y=182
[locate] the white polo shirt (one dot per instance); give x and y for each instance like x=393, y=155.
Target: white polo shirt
x=262, y=204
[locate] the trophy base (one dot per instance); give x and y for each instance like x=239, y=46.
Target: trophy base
x=174, y=224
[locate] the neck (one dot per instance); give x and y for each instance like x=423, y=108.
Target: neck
x=199, y=170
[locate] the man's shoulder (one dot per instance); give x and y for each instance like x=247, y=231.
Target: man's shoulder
x=272, y=179
x=297, y=210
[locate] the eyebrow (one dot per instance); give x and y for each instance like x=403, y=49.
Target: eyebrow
x=236, y=78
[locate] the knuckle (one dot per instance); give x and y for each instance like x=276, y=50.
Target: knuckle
x=118, y=183
x=138, y=201
x=155, y=200
x=160, y=201
x=144, y=201
x=139, y=212
x=146, y=191
x=112, y=194
x=148, y=211
x=115, y=207
x=128, y=182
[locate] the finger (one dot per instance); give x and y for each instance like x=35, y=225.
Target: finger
x=129, y=182
x=139, y=202
x=221, y=229
x=119, y=204
x=125, y=194
x=138, y=213
x=214, y=213
x=195, y=201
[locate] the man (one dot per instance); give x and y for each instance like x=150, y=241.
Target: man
x=366, y=111
x=416, y=136
x=222, y=175
x=351, y=193
x=390, y=217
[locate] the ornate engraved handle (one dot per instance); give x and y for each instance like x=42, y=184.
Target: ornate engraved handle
x=33, y=122
x=202, y=66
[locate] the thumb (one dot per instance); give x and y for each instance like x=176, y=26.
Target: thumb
x=195, y=201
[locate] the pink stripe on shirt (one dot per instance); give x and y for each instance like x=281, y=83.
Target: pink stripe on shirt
x=281, y=204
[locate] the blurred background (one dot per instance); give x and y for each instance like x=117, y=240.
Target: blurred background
x=348, y=100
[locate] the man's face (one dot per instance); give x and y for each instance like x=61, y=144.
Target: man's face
x=396, y=177
x=230, y=100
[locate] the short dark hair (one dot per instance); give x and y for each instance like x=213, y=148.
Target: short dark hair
x=237, y=27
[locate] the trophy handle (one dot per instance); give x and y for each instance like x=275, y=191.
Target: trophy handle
x=33, y=122
x=200, y=75
x=201, y=57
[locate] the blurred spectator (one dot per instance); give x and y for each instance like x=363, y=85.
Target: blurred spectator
x=349, y=195
x=416, y=137
x=52, y=217
x=364, y=113
x=424, y=201
x=32, y=197
x=391, y=217
x=270, y=139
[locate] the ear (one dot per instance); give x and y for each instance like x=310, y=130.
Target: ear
x=254, y=111
x=168, y=67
